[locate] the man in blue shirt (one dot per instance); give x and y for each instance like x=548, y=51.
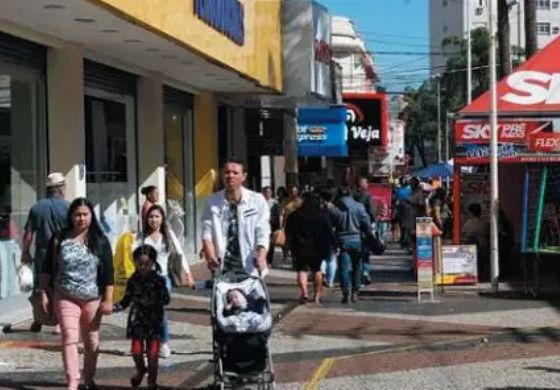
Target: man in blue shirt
x=46, y=217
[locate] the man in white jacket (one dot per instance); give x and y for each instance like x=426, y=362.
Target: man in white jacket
x=235, y=224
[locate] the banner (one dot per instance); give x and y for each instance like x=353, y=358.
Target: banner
x=322, y=132
x=322, y=51
x=381, y=196
x=424, y=255
x=459, y=265
x=520, y=140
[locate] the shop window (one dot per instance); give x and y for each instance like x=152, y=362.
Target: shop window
x=106, y=150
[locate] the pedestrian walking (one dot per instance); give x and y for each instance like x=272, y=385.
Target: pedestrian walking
x=310, y=234
x=351, y=221
x=362, y=196
x=151, y=194
x=157, y=234
x=79, y=267
x=46, y=217
x=146, y=294
x=329, y=266
x=235, y=224
x=274, y=221
x=290, y=204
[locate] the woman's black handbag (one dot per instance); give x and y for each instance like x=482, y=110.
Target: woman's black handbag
x=374, y=244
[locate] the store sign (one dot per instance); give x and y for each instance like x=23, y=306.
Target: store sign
x=514, y=131
x=226, y=16
x=322, y=132
x=532, y=87
x=545, y=142
x=322, y=51
x=366, y=122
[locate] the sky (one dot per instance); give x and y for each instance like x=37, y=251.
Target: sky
x=391, y=26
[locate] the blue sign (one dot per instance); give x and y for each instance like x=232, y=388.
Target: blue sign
x=226, y=16
x=322, y=132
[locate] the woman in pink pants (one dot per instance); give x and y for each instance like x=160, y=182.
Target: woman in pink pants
x=79, y=271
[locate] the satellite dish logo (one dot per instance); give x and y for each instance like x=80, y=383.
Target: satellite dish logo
x=353, y=113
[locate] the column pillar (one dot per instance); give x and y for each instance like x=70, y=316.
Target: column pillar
x=65, y=94
x=290, y=147
x=151, y=147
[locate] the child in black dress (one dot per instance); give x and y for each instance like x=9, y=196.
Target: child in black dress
x=146, y=295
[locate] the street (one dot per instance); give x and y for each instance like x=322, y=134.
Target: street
x=464, y=340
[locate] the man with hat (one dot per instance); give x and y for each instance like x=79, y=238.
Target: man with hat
x=45, y=218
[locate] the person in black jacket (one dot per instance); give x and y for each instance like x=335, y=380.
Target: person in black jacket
x=310, y=234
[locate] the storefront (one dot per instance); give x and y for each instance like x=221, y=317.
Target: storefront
x=529, y=157
x=22, y=146
x=118, y=95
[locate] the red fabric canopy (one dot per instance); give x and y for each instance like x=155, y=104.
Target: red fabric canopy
x=533, y=88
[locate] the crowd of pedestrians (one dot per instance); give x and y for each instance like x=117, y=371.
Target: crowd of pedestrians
x=330, y=232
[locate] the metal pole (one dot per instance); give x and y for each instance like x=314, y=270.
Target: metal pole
x=447, y=114
x=494, y=205
x=469, y=54
x=438, y=95
x=518, y=32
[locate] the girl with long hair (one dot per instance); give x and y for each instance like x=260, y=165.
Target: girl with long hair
x=157, y=235
x=79, y=269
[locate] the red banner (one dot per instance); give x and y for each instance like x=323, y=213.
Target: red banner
x=544, y=142
x=381, y=195
x=512, y=131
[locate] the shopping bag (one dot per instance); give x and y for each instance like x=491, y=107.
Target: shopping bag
x=178, y=267
x=279, y=237
x=25, y=277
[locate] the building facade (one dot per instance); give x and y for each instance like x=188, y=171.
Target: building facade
x=120, y=94
x=449, y=18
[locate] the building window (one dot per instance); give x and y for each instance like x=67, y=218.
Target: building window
x=444, y=29
x=554, y=5
x=481, y=3
x=444, y=3
x=543, y=28
x=543, y=4
x=555, y=30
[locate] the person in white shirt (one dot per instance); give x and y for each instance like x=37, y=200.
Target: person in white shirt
x=157, y=234
x=235, y=225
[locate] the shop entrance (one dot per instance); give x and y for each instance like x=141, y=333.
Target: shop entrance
x=111, y=158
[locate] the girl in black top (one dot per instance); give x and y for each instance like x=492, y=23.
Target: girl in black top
x=146, y=294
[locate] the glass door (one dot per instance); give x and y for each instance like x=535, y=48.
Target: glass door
x=179, y=175
x=111, y=159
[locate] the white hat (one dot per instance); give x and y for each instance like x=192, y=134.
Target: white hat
x=55, y=179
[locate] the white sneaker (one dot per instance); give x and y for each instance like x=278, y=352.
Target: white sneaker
x=164, y=351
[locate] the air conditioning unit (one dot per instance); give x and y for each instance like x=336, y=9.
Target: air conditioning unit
x=478, y=11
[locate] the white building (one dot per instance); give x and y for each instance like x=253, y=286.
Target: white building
x=449, y=18
x=350, y=52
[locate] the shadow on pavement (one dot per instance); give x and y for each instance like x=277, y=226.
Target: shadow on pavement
x=520, y=388
x=545, y=369
x=188, y=310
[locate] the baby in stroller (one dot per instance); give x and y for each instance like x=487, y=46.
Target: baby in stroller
x=238, y=302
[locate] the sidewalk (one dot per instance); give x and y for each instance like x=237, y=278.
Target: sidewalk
x=386, y=335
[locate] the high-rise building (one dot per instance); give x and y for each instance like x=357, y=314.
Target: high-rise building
x=449, y=18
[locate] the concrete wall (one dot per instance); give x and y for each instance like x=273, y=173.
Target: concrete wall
x=65, y=86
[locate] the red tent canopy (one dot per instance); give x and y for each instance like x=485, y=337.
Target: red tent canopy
x=533, y=88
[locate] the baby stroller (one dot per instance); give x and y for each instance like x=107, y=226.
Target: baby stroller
x=240, y=341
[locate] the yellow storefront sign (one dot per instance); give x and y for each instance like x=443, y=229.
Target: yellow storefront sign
x=258, y=56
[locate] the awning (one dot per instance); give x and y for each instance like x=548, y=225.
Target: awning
x=534, y=87
x=435, y=170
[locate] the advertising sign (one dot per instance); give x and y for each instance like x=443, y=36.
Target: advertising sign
x=322, y=51
x=366, y=121
x=396, y=142
x=226, y=16
x=520, y=140
x=459, y=263
x=322, y=132
x=533, y=88
x=424, y=256
x=381, y=195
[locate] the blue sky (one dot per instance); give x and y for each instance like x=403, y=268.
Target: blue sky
x=391, y=26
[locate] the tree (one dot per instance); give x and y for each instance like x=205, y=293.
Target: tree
x=504, y=49
x=531, y=46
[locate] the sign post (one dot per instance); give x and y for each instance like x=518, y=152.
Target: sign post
x=425, y=257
